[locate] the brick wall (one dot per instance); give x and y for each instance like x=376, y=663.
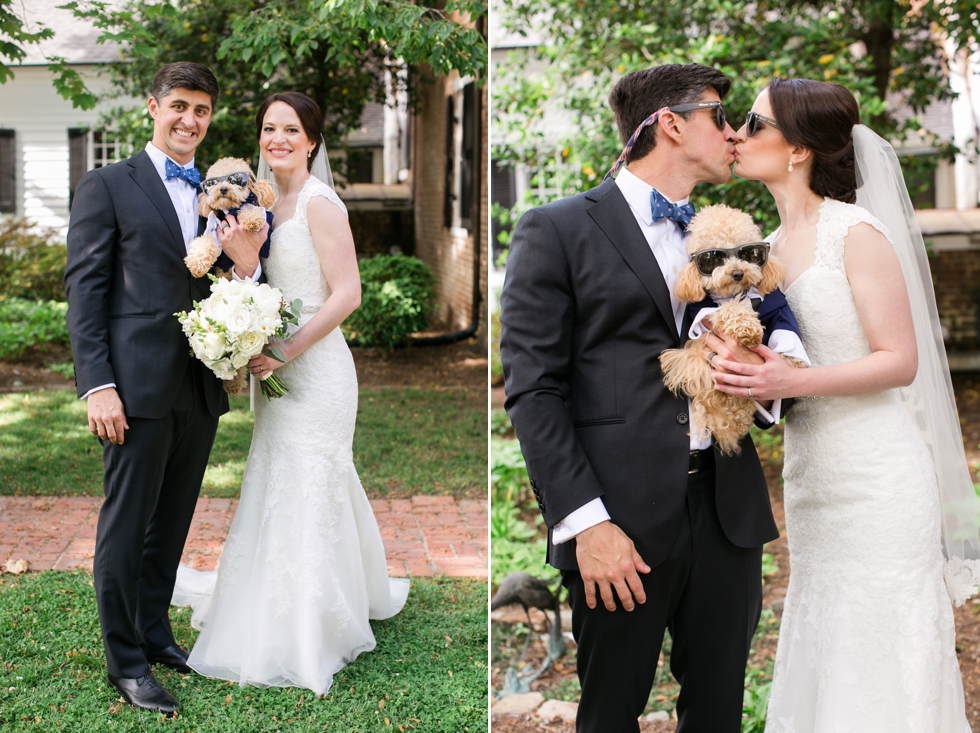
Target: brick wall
x=450, y=257
x=375, y=232
x=956, y=274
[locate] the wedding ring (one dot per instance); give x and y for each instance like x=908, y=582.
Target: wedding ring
x=711, y=356
x=224, y=225
x=750, y=393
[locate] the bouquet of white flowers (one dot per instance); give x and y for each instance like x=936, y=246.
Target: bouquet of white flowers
x=238, y=321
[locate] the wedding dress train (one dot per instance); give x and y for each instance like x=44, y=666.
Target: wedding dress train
x=303, y=568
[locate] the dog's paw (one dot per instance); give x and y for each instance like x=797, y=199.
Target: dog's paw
x=794, y=362
x=238, y=384
x=201, y=255
x=251, y=218
x=739, y=321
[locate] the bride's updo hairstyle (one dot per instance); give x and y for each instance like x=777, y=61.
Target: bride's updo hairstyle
x=309, y=113
x=819, y=117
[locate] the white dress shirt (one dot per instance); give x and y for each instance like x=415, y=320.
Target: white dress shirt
x=183, y=196
x=666, y=241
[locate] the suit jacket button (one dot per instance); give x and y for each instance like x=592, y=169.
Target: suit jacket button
x=682, y=418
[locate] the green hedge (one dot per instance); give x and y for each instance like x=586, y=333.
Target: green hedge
x=25, y=324
x=31, y=265
x=397, y=298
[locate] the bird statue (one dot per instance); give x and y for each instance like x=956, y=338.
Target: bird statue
x=530, y=592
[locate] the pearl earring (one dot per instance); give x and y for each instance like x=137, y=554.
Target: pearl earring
x=790, y=166
x=310, y=154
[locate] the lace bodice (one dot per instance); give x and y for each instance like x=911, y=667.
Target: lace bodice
x=292, y=265
x=867, y=640
x=832, y=331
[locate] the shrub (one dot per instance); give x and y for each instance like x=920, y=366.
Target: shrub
x=25, y=324
x=515, y=545
x=397, y=298
x=31, y=266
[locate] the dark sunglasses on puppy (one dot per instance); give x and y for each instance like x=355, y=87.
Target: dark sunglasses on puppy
x=753, y=253
x=719, y=110
x=753, y=120
x=236, y=179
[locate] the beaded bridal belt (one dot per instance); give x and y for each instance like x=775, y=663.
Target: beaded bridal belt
x=308, y=309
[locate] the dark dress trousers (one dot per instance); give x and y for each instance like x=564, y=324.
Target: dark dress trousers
x=125, y=279
x=585, y=314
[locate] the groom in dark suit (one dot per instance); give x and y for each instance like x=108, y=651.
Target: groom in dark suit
x=154, y=408
x=666, y=531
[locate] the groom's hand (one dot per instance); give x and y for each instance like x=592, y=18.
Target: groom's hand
x=241, y=246
x=607, y=558
x=106, y=416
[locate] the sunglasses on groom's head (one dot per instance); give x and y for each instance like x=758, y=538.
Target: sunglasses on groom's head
x=652, y=119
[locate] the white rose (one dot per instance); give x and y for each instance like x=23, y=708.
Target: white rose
x=239, y=359
x=213, y=346
x=250, y=343
x=223, y=369
x=238, y=321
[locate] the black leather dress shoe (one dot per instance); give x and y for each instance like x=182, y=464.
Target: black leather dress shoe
x=173, y=656
x=145, y=692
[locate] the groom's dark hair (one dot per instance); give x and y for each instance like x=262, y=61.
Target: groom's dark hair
x=641, y=93
x=186, y=75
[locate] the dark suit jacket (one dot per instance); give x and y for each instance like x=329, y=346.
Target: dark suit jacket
x=125, y=279
x=585, y=313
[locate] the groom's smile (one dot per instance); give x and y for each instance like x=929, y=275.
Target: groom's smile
x=180, y=121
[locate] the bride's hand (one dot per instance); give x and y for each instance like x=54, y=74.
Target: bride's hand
x=770, y=380
x=262, y=366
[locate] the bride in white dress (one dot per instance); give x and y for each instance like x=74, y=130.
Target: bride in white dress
x=303, y=568
x=874, y=477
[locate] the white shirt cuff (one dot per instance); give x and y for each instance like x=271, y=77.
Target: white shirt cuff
x=96, y=389
x=772, y=414
x=580, y=520
x=253, y=278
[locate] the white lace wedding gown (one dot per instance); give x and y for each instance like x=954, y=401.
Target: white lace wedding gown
x=303, y=567
x=867, y=641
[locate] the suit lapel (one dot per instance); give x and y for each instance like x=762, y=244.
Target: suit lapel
x=147, y=178
x=614, y=216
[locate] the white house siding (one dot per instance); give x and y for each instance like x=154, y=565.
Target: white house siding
x=40, y=118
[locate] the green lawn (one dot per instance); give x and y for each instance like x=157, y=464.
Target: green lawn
x=428, y=672
x=407, y=442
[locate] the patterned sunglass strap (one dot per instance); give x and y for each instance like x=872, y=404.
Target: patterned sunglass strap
x=652, y=119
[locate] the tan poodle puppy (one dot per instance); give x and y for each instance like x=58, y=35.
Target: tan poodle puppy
x=229, y=188
x=728, y=260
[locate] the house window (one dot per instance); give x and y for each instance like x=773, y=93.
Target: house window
x=461, y=151
x=449, y=195
x=87, y=150
x=8, y=166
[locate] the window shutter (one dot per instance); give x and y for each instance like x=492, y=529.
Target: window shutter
x=8, y=179
x=449, y=196
x=467, y=163
x=77, y=160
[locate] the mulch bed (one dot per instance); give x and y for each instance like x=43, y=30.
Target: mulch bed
x=967, y=388
x=460, y=365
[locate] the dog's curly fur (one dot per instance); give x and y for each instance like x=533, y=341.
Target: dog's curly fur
x=726, y=417
x=204, y=250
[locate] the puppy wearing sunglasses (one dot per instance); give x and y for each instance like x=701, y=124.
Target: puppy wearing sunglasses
x=229, y=188
x=731, y=279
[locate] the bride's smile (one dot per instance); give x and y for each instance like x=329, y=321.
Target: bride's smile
x=283, y=142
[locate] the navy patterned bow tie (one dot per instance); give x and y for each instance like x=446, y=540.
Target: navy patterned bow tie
x=191, y=175
x=663, y=209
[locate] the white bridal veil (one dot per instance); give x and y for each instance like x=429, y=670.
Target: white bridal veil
x=929, y=398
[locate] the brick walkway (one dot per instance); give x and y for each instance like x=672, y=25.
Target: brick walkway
x=423, y=536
